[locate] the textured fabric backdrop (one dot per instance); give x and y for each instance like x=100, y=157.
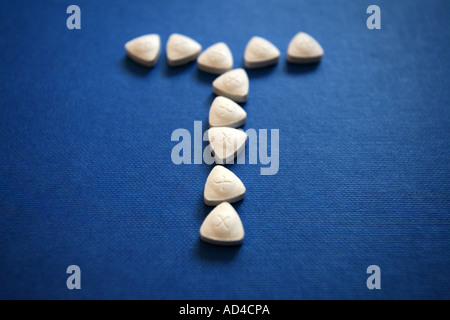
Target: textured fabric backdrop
x=86, y=176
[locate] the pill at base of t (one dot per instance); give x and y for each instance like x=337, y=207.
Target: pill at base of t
x=145, y=49
x=222, y=226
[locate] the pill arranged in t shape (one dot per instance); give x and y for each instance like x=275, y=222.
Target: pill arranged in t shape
x=223, y=225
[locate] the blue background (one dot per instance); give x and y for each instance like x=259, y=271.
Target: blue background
x=86, y=176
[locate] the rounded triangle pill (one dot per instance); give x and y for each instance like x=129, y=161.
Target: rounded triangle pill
x=181, y=49
x=216, y=59
x=226, y=143
x=145, y=49
x=222, y=226
x=225, y=112
x=260, y=53
x=223, y=185
x=233, y=84
x=303, y=49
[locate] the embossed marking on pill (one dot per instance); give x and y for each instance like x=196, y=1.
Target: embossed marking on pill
x=233, y=81
x=180, y=45
x=225, y=138
x=221, y=183
x=223, y=221
x=229, y=108
x=216, y=55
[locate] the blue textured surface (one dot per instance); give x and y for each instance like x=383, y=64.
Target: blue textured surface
x=86, y=176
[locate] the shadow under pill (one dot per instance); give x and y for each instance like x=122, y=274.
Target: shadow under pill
x=212, y=252
x=260, y=72
x=134, y=67
x=203, y=209
x=205, y=77
x=174, y=71
x=209, y=100
x=293, y=68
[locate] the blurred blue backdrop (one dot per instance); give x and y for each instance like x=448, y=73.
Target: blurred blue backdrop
x=86, y=176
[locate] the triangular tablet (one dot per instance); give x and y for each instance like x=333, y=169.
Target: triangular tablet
x=222, y=226
x=216, y=59
x=222, y=185
x=181, y=49
x=260, y=53
x=226, y=113
x=226, y=143
x=233, y=84
x=304, y=49
x=144, y=49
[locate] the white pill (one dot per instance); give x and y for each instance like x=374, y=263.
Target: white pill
x=144, y=49
x=232, y=84
x=222, y=185
x=226, y=113
x=226, y=143
x=216, y=59
x=222, y=226
x=260, y=53
x=304, y=49
x=181, y=49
